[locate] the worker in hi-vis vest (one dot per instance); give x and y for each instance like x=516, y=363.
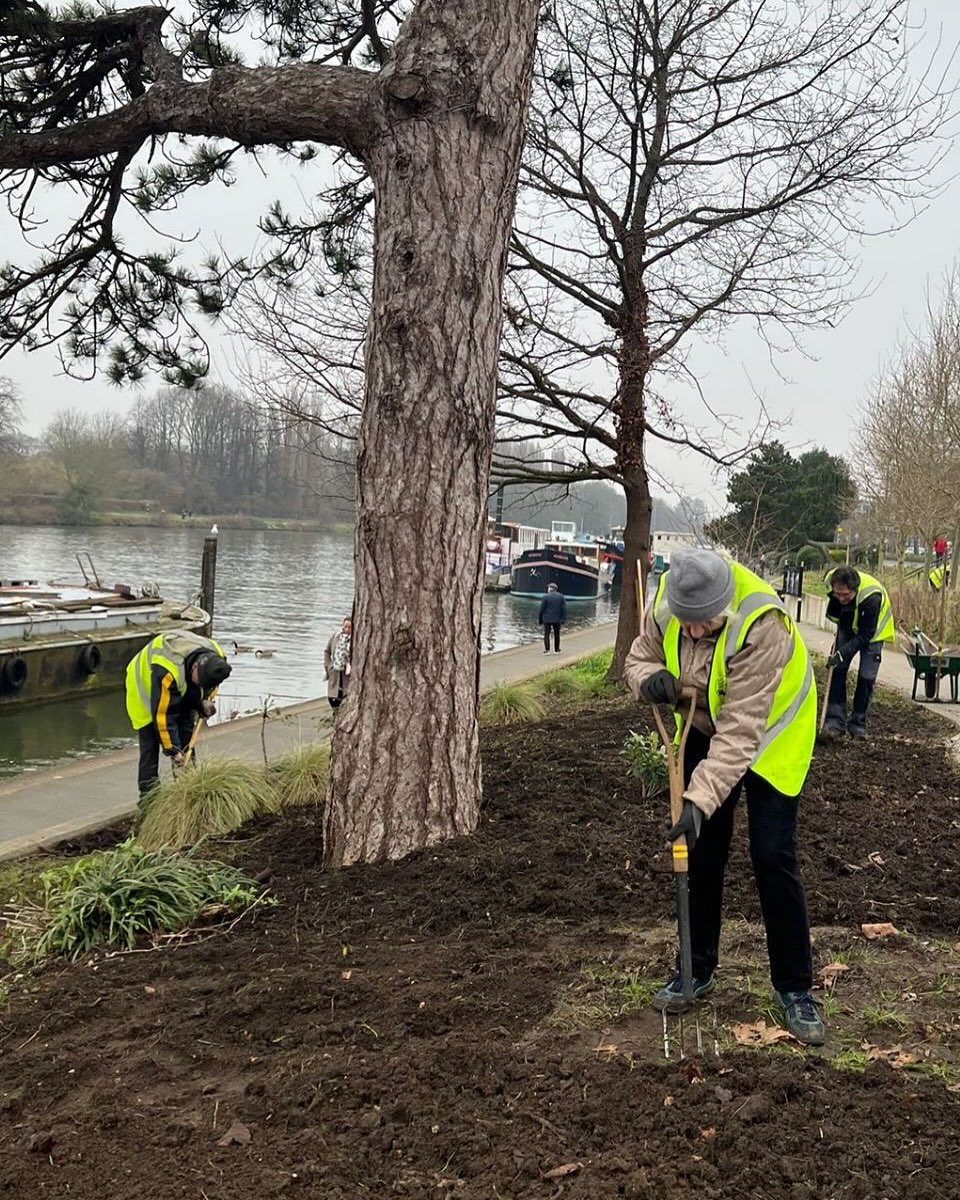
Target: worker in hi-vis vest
x=719, y=629
x=860, y=608
x=171, y=684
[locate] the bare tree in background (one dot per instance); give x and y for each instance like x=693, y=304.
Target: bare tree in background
x=11, y=413
x=688, y=165
x=128, y=110
x=908, y=436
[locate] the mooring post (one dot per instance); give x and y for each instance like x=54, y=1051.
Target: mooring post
x=208, y=576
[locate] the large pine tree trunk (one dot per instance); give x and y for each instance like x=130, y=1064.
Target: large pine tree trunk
x=445, y=172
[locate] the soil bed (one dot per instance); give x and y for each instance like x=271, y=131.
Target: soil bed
x=471, y=1020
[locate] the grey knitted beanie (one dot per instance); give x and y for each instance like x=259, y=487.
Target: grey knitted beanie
x=699, y=585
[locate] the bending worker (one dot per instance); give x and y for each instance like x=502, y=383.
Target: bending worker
x=718, y=628
x=171, y=684
x=860, y=608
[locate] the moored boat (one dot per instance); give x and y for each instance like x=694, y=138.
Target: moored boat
x=572, y=564
x=62, y=641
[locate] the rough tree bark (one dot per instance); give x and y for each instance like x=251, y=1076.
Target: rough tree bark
x=405, y=766
x=440, y=128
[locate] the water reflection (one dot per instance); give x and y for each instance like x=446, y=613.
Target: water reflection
x=279, y=592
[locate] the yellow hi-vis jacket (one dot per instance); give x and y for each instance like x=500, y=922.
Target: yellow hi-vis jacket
x=870, y=587
x=169, y=651
x=783, y=757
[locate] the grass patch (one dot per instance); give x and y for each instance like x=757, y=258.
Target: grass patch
x=510, y=704
x=592, y=674
x=213, y=798
x=601, y=995
x=116, y=897
x=882, y=1016
x=299, y=779
x=562, y=685
x=646, y=763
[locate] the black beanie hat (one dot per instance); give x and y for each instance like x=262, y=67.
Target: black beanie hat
x=212, y=670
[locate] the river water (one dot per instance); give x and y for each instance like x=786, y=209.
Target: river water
x=276, y=591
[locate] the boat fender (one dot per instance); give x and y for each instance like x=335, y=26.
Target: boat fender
x=91, y=659
x=14, y=673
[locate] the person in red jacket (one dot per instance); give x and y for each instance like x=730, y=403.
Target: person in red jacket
x=940, y=549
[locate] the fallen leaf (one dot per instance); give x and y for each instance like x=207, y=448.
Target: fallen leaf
x=708, y=1134
x=605, y=1048
x=563, y=1170
x=667, y=1101
x=237, y=1135
x=758, y=1034
x=694, y=1073
x=345, y=974
x=875, y=859
x=884, y=929
x=150, y=991
x=894, y=1056
x=829, y=973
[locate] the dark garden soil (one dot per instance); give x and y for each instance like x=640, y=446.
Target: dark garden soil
x=470, y=1022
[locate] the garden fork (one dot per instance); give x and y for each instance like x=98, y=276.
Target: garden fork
x=674, y=749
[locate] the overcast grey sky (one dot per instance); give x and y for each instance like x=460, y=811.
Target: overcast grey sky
x=818, y=397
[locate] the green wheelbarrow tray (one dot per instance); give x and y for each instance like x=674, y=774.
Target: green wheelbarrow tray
x=931, y=668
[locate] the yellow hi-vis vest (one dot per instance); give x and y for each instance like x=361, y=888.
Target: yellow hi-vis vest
x=784, y=754
x=168, y=650
x=938, y=576
x=870, y=587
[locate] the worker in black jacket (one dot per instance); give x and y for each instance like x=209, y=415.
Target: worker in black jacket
x=553, y=614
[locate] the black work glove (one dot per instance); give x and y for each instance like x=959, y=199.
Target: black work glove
x=835, y=660
x=691, y=818
x=207, y=709
x=661, y=688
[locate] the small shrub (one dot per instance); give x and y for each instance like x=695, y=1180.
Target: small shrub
x=299, y=779
x=115, y=897
x=646, y=762
x=213, y=798
x=510, y=704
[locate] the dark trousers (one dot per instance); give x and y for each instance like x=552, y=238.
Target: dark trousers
x=547, y=626
x=772, y=819
x=148, y=769
x=863, y=693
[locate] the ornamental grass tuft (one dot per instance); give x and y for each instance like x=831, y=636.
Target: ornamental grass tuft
x=115, y=898
x=208, y=800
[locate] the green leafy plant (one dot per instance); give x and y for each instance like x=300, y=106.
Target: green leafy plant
x=210, y=799
x=299, y=779
x=510, y=704
x=116, y=897
x=646, y=762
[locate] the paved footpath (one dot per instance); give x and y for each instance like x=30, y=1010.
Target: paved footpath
x=44, y=807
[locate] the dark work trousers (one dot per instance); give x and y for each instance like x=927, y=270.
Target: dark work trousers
x=772, y=819
x=863, y=693
x=547, y=626
x=148, y=771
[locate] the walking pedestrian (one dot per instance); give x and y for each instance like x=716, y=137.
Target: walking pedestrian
x=553, y=614
x=336, y=662
x=940, y=549
x=860, y=608
x=718, y=628
x=171, y=683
